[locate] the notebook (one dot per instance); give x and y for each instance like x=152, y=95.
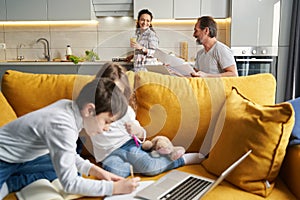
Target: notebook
x=184, y=186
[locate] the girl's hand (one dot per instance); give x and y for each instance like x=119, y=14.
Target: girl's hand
x=102, y=174
x=134, y=129
x=126, y=185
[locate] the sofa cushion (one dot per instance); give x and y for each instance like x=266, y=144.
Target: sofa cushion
x=264, y=129
x=295, y=137
x=27, y=92
x=185, y=109
x=7, y=114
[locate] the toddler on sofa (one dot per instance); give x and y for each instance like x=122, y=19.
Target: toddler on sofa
x=120, y=147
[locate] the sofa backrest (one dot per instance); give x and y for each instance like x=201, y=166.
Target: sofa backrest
x=26, y=92
x=7, y=114
x=166, y=105
x=185, y=109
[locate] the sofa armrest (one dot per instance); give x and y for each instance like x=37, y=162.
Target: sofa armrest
x=290, y=169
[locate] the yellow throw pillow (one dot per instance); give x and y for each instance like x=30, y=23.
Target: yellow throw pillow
x=264, y=129
x=7, y=114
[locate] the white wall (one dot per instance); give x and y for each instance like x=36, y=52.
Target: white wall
x=110, y=37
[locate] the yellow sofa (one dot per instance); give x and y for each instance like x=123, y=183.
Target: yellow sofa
x=239, y=112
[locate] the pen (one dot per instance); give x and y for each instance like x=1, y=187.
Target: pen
x=135, y=140
x=131, y=171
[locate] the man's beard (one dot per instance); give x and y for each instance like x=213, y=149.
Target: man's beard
x=198, y=42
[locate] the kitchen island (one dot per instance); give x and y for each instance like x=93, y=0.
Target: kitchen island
x=84, y=68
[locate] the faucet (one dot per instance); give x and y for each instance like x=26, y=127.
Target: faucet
x=47, y=51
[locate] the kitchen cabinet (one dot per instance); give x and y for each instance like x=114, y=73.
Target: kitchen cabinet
x=187, y=9
x=2, y=10
x=31, y=10
x=255, y=22
x=183, y=9
x=43, y=10
x=69, y=10
x=215, y=8
x=285, y=22
x=161, y=9
x=283, y=48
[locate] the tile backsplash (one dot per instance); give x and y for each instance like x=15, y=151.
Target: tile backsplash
x=109, y=38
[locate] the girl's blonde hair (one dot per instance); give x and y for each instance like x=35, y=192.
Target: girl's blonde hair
x=115, y=71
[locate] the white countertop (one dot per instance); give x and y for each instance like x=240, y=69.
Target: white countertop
x=7, y=63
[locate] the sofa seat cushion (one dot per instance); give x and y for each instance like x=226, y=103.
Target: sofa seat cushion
x=290, y=169
x=223, y=191
x=27, y=92
x=247, y=125
x=7, y=114
x=185, y=109
x=226, y=190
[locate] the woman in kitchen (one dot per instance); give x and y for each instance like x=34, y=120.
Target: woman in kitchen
x=146, y=40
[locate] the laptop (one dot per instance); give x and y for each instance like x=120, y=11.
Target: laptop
x=184, y=186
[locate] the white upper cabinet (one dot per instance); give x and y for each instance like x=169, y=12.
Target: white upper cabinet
x=161, y=9
x=255, y=22
x=215, y=8
x=183, y=9
x=43, y=10
x=187, y=9
x=2, y=10
x=26, y=10
x=69, y=9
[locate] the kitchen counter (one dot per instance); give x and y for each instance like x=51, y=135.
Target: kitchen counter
x=63, y=63
x=84, y=68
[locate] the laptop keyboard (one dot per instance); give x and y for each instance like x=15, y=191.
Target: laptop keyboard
x=187, y=190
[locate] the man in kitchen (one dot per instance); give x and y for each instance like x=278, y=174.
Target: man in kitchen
x=215, y=59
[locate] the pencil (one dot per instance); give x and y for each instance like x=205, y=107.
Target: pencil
x=131, y=171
